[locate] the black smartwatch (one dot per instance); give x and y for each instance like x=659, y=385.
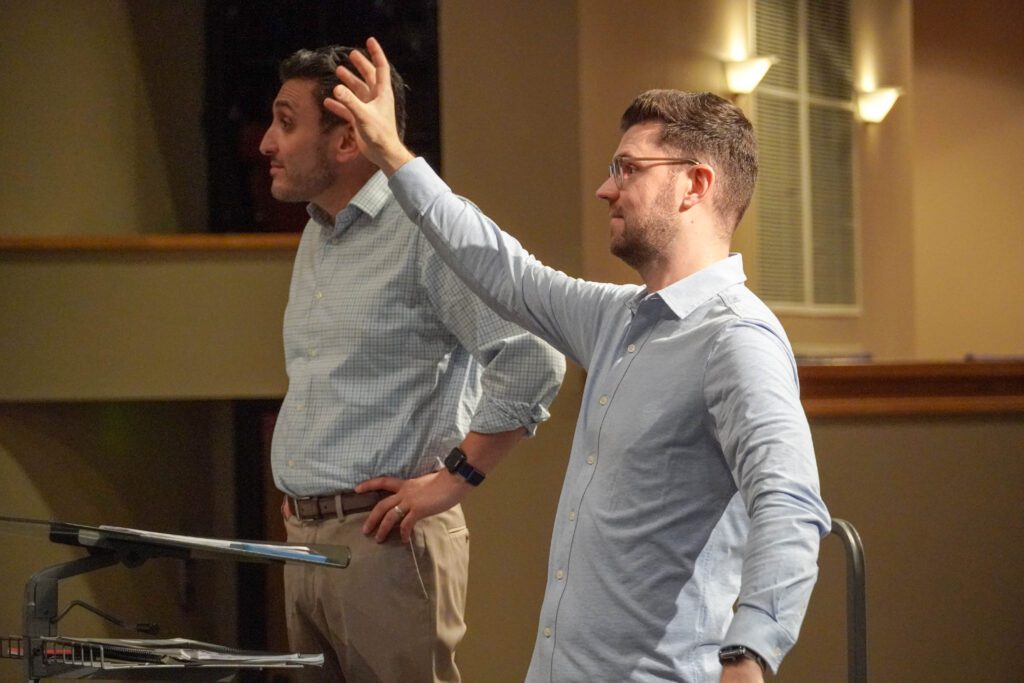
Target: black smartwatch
x=733, y=653
x=456, y=464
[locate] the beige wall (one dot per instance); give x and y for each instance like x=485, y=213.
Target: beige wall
x=937, y=502
x=968, y=142
x=135, y=325
x=101, y=117
x=511, y=142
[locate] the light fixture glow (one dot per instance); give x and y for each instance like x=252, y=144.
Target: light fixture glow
x=875, y=105
x=742, y=76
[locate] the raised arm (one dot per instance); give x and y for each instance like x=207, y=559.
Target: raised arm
x=564, y=311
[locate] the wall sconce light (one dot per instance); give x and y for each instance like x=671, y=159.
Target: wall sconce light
x=873, y=106
x=742, y=76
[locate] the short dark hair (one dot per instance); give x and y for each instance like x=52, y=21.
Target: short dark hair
x=319, y=65
x=712, y=130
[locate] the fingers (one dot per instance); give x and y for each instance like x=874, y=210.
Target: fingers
x=376, y=70
x=380, y=61
x=358, y=87
x=377, y=520
x=339, y=105
x=385, y=516
x=367, y=69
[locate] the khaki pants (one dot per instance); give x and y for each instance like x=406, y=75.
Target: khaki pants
x=394, y=615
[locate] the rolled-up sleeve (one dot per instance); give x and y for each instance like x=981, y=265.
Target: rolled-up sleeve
x=520, y=374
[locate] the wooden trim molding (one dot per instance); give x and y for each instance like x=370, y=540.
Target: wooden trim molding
x=184, y=242
x=971, y=387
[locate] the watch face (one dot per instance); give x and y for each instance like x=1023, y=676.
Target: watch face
x=454, y=459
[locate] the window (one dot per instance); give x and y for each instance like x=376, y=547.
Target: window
x=804, y=113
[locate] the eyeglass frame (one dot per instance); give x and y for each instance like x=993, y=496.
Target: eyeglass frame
x=620, y=180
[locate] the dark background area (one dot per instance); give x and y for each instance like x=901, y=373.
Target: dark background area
x=245, y=42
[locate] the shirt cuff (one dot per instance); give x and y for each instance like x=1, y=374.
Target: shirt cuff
x=415, y=185
x=762, y=634
x=495, y=415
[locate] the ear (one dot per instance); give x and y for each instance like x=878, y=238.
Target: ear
x=343, y=143
x=702, y=179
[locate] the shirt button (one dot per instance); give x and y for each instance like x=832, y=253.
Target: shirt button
x=319, y=295
x=631, y=348
x=603, y=400
x=300, y=406
x=312, y=353
x=590, y=460
x=547, y=632
x=559, y=575
x=291, y=463
x=572, y=515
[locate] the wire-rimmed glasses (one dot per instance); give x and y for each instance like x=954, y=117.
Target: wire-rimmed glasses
x=622, y=166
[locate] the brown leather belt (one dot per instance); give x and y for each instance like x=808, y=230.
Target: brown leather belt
x=337, y=505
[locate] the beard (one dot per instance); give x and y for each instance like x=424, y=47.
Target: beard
x=302, y=185
x=645, y=238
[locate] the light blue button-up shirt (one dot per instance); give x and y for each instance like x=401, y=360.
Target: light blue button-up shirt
x=390, y=358
x=691, y=485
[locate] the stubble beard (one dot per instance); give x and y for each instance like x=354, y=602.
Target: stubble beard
x=303, y=186
x=644, y=239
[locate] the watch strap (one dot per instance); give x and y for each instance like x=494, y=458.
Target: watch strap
x=456, y=464
x=732, y=653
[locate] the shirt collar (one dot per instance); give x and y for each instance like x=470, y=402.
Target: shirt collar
x=370, y=200
x=683, y=296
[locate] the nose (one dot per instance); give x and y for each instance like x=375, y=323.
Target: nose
x=267, y=144
x=607, y=190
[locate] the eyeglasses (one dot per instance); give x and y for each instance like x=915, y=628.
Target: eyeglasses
x=622, y=166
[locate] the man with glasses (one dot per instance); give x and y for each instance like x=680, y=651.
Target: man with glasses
x=686, y=539
x=394, y=369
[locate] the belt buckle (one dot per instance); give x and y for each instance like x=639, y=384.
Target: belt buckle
x=297, y=508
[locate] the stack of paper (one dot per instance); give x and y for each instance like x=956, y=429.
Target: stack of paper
x=112, y=653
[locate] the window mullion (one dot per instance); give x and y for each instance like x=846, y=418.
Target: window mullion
x=806, y=198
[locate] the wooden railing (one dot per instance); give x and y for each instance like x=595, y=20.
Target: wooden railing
x=972, y=387
x=151, y=243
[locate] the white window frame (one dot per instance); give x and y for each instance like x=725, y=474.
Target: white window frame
x=804, y=99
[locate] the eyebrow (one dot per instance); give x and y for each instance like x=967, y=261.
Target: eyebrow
x=284, y=104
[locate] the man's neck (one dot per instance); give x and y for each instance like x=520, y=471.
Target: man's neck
x=680, y=263
x=334, y=199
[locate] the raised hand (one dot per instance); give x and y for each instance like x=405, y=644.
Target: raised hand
x=369, y=105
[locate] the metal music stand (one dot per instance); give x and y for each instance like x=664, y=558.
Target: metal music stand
x=48, y=655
